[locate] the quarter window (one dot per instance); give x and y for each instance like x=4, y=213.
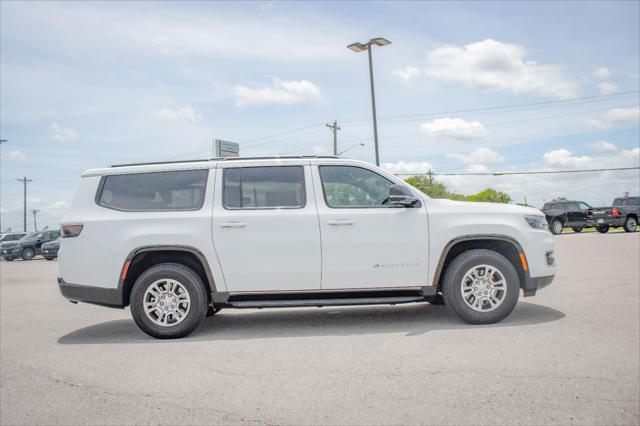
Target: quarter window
x=353, y=187
x=155, y=191
x=264, y=187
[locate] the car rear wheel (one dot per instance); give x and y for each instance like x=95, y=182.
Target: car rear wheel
x=168, y=301
x=556, y=227
x=28, y=253
x=481, y=286
x=9, y=259
x=631, y=224
x=49, y=258
x=603, y=229
x=577, y=229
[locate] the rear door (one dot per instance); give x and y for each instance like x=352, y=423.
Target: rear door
x=265, y=227
x=366, y=244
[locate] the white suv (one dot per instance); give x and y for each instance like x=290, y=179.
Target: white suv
x=178, y=241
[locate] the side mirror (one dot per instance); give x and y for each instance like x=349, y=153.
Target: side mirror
x=401, y=196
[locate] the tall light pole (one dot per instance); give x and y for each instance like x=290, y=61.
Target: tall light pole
x=334, y=128
x=35, y=224
x=361, y=47
x=350, y=148
x=24, y=181
x=1, y=142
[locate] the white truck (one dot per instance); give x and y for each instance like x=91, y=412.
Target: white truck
x=179, y=241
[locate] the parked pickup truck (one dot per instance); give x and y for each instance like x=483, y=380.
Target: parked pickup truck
x=624, y=212
x=567, y=214
x=179, y=241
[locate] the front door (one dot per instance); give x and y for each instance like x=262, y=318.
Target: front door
x=365, y=243
x=265, y=228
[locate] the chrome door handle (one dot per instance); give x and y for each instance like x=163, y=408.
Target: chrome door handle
x=340, y=222
x=233, y=225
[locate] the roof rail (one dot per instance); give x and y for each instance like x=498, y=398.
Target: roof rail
x=266, y=157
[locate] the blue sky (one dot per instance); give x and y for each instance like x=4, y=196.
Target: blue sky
x=85, y=85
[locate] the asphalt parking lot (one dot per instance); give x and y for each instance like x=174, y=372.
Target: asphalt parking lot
x=567, y=356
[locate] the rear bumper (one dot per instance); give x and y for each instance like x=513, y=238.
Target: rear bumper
x=110, y=297
x=533, y=284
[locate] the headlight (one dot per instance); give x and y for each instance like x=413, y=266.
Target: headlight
x=536, y=222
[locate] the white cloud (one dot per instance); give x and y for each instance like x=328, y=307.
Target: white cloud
x=402, y=167
x=490, y=64
x=607, y=88
x=564, y=158
x=615, y=116
x=602, y=73
x=454, y=129
x=320, y=150
x=58, y=206
x=185, y=113
x=59, y=133
x=407, y=73
x=16, y=155
x=603, y=146
x=285, y=92
x=480, y=156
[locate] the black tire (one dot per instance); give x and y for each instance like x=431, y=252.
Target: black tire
x=453, y=281
x=630, y=224
x=9, y=259
x=28, y=253
x=578, y=229
x=49, y=258
x=556, y=226
x=603, y=229
x=193, y=285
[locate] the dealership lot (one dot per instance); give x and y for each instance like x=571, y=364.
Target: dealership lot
x=568, y=355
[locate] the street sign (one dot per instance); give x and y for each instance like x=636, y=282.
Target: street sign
x=226, y=149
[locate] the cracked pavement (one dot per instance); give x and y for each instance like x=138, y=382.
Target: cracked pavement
x=570, y=355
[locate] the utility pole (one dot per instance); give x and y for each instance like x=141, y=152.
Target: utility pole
x=1, y=142
x=431, y=182
x=35, y=224
x=24, y=181
x=334, y=129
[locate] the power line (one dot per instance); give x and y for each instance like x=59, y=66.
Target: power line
x=537, y=172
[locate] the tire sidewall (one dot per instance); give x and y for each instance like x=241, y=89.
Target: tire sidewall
x=629, y=228
x=453, y=282
x=192, y=283
x=553, y=227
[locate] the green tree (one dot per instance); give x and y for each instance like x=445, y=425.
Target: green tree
x=432, y=188
x=490, y=196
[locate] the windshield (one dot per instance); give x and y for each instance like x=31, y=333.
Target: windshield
x=32, y=237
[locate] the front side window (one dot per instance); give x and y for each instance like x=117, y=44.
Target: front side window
x=353, y=187
x=155, y=191
x=584, y=206
x=264, y=187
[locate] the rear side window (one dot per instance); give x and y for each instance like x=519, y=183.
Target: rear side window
x=264, y=187
x=156, y=191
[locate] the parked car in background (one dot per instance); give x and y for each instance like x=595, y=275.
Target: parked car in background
x=567, y=214
x=50, y=250
x=178, y=241
x=6, y=239
x=29, y=246
x=623, y=212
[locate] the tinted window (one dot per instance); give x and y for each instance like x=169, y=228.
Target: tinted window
x=584, y=206
x=32, y=237
x=158, y=191
x=264, y=187
x=572, y=207
x=348, y=186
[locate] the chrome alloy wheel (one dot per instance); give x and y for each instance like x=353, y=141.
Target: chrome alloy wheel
x=483, y=288
x=166, y=302
x=557, y=227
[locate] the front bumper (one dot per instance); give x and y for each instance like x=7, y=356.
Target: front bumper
x=11, y=253
x=533, y=284
x=50, y=252
x=110, y=297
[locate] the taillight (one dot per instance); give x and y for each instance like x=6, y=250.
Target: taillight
x=616, y=212
x=69, y=231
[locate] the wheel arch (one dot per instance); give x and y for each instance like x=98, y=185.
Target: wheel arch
x=503, y=244
x=142, y=258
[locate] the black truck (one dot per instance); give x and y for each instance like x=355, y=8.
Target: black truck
x=623, y=212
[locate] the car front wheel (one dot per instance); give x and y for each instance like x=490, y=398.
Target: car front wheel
x=481, y=286
x=631, y=224
x=28, y=253
x=168, y=301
